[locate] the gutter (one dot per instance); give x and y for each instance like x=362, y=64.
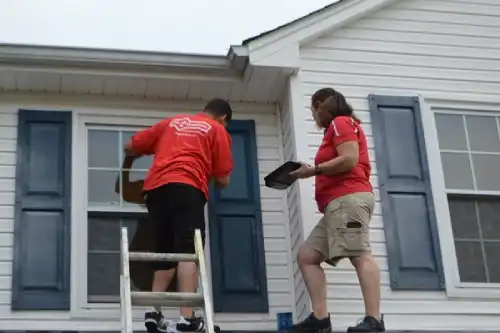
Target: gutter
x=92, y=58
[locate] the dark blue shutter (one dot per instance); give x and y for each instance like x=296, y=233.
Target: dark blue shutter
x=41, y=265
x=406, y=195
x=236, y=239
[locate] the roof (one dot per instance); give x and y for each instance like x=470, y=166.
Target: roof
x=41, y=55
x=252, y=50
x=265, y=33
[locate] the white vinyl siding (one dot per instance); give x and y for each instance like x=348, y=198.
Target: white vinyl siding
x=442, y=50
x=273, y=213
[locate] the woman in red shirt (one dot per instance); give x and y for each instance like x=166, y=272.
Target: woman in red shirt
x=345, y=196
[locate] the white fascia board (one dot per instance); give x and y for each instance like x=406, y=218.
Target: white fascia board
x=47, y=55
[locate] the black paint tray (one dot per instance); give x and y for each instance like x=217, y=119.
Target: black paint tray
x=280, y=179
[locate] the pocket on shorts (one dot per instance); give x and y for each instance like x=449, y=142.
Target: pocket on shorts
x=353, y=239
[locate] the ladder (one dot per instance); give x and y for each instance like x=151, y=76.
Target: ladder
x=129, y=298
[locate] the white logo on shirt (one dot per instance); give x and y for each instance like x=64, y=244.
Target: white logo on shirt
x=336, y=132
x=186, y=126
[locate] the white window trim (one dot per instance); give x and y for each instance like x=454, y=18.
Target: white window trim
x=80, y=308
x=454, y=287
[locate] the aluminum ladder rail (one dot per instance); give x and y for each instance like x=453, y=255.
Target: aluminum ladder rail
x=129, y=298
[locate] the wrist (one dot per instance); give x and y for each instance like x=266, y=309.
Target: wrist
x=318, y=170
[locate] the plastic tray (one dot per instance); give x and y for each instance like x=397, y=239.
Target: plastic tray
x=280, y=179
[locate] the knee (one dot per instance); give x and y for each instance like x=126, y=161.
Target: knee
x=308, y=256
x=364, y=262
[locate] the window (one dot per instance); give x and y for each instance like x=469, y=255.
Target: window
x=470, y=155
x=106, y=210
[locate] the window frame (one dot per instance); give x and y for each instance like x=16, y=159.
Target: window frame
x=454, y=287
x=80, y=307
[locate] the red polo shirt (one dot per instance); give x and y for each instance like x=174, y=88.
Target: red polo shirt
x=187, y=149
x=330, y=187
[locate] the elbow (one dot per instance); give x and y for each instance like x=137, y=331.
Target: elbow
x=350, y=162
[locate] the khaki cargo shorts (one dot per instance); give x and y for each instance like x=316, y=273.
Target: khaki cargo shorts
x=344, y=230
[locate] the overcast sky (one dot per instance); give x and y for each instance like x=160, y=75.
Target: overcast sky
x=193, y=26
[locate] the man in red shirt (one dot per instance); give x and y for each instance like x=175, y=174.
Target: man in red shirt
x=188, y=151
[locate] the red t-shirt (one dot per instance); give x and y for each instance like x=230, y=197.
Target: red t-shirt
x=187, y=149
x=329, y=187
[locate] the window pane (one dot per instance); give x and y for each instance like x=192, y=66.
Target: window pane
x=104, y=232
x=487, y=171
x=463, y=218
x=489, y=215
x=470, y=262
x=493, y=258
x=451, y=132
x=103, y=276
x=101, y=187
x=143, y=163
x=483, y=133
x=103, y=149
x=103, y=273
x=457, y=171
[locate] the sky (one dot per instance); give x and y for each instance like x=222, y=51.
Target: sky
x=188, y=26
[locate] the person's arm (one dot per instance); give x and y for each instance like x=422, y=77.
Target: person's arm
x=131, y=191
x=144, y=142
x=222, y=159
x=345, y=141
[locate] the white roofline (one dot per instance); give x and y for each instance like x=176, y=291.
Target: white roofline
x=283, y=43
x=39, y=55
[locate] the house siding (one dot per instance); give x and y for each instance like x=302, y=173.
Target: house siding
x=276, y=239
x=294, y=209
x=437, y=49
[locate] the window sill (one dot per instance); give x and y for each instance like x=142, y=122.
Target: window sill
x=111, y=312
x=105, y=312
x=474, y=291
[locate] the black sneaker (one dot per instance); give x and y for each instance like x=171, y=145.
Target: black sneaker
x=368, y=324
x=193, y=324
x=312, y=325
x=155, y=322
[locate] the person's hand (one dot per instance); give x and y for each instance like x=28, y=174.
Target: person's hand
x=305, y=171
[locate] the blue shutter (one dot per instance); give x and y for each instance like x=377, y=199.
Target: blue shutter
x=236, y=239
x=41, y=264
x=406, y=195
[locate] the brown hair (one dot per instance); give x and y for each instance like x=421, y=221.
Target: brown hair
x=327, y=99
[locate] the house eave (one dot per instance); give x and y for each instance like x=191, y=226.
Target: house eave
x=106, y=59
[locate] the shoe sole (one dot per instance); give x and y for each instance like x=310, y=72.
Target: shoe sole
x=323, y=330
x=151, y=326
x=216, y=329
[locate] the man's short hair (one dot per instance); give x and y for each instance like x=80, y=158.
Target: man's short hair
x=219, y=107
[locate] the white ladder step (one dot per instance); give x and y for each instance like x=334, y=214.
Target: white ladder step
x=175, y=299
x=193, y=300
x=148, y=256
